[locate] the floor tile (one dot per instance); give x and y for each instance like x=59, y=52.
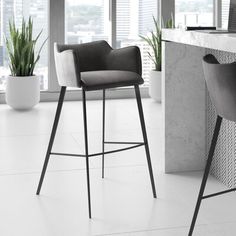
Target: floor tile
x=122, y=203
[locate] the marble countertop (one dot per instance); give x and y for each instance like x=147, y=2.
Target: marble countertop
x=222, y=42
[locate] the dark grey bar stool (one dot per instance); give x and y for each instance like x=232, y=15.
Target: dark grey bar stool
x=221, y=84
x=96, y=66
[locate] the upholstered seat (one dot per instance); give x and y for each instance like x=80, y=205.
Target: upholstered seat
x=96, y=65
x=103, y=79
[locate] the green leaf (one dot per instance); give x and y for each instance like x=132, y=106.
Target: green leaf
x=154, y=40
x=21, y=48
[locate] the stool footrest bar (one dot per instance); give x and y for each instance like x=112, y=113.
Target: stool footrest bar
x=117, y=150
x=108, y=142
x=219, y=193
x=96, y=154
x=67, y=154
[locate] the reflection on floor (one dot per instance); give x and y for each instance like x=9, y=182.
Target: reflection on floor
x=122, y=203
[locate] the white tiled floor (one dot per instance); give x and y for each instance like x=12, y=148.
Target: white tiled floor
x=122, y=203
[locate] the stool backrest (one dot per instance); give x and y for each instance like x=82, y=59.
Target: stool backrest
x=221, y=84
x=71, y=59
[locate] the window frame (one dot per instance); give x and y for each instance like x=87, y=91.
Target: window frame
x=217, y=14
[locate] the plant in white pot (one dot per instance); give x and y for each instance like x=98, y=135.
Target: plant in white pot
x=22, y=86
x=154, y=41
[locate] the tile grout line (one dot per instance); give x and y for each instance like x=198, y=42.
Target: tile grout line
x=71, y=170
x=30, y=135
x=63, y=133
x=149, y=230
x=167, y=228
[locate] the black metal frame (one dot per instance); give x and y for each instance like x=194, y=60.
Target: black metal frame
x=87, y=155
x=52, y=137
x=142, y=122
x=103, y=129
x=206, y=174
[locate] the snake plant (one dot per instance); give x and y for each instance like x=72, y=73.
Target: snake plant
x=21, y=48
x=154, y=40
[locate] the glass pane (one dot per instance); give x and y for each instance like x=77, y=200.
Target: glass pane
x=134, y=18
x=225, y=13
x=193, y=13
x=38, y=10
x=86, y=21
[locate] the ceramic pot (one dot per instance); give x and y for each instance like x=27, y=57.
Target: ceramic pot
x=155, y=85
x=22, y=92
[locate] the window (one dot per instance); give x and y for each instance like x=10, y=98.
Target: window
x=38, y=10
x=134, y=18
x=86, y=21
x=89, y=20
x=194, y=13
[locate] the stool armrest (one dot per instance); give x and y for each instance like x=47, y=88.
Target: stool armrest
x=127, y=59
x=67, y=68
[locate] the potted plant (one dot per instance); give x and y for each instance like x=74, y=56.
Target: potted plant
x=154, y=41
x=22, y=85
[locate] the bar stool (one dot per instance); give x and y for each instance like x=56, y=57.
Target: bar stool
x=96, y=66
x=221, y=84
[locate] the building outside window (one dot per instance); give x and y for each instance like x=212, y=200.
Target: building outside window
x=86, y=21
x=90, y=20
x=134, y=18
x=194, y=13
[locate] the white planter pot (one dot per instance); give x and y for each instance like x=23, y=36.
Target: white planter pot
x=22, y=92
x=155, y=85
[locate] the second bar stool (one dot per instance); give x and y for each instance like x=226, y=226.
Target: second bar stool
x=96, y=66
x=221, y=84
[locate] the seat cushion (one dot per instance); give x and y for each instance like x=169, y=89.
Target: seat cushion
x=103, y=79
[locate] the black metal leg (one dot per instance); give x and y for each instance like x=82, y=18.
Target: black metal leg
x=86, y=150
x=140, y=109
x=206, y=173
x=103, y=129
x=53, y=133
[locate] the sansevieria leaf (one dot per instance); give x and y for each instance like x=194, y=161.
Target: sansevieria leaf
x=154, y=41
x=21, y=48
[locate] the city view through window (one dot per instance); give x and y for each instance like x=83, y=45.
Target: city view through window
x=16, y=9
x=88, y=20
x=199, y=13
x=193, y=13
x=134, y=18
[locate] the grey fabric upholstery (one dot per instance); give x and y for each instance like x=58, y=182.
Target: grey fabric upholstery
x=221, y=84
x=88, y=64
x=67, y=68
x=127, y=59
x=103, y=79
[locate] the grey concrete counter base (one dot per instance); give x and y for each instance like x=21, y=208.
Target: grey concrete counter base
x=188, y=113
x=184, y=101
